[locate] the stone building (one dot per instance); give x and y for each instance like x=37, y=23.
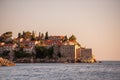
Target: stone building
x=69, y=53
x=86, y=55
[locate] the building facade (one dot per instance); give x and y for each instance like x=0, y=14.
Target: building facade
x=68, y=52
x=86, y=53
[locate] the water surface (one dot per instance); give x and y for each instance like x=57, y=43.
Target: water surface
x=62, y=71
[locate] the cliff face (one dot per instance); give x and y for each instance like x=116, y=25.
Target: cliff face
x=5, y=62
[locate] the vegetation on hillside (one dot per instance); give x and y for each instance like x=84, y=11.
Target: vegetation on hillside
x=43, y=52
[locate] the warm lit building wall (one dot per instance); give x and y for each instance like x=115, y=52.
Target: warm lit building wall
x=77, y=53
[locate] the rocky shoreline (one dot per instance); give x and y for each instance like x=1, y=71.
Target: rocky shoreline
x=28, y=60
x=6, y=62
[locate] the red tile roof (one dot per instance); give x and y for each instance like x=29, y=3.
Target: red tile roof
x=53, y=42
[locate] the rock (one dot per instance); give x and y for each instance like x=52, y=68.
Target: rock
x=6, y=62
x=85, y=60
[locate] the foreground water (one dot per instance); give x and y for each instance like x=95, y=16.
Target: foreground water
x=62, y=71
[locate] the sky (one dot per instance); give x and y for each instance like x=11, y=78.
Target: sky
x=95, y=23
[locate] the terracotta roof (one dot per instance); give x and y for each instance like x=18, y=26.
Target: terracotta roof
x=53, y=42
x=56, y=36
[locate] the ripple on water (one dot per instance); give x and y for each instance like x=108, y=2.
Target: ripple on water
x=61, y=72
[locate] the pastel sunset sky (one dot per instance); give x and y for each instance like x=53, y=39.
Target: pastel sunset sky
x=95, y=23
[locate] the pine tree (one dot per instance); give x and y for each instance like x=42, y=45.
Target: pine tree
x=23, y=35
x=33, y=36
x=46, y=35
x=19, y=35
x=65, y=38
x=42, y=35
x=39, y=34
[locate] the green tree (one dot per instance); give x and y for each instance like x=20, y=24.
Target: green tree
x=72, y=38
x=5, y=53
x=23, y=32
x=7, y=35
x=50, y=52
x=21, y=54
x=39, y=34
x=1, y=39
x=46, y=35
x=26, y=34
x=40, y=52
x=65, y=38
x=42, y=35
x=33, y=36
x=19, y=35
x=43, y=52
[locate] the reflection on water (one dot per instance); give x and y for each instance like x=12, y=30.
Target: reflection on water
x=59, y=71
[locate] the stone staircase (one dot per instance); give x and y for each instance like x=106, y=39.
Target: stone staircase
x=6, y=62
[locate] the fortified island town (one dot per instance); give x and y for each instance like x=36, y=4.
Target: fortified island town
x=31, y=48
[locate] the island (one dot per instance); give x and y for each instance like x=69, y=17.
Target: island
x=28, y=47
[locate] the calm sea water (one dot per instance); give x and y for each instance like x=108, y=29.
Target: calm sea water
x=62, y=71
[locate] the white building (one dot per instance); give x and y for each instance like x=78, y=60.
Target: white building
x=86, y=55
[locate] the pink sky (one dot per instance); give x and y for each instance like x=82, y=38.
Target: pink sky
x=95, y=23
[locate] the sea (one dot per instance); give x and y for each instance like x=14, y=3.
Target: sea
x=107, y=70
